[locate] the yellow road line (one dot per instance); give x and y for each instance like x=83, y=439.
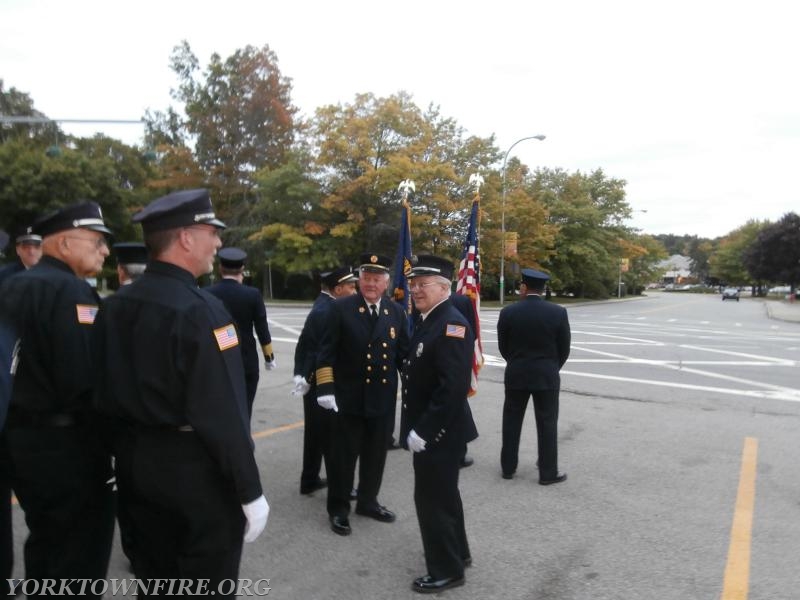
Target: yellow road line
x=737, y=570
x=274, y=430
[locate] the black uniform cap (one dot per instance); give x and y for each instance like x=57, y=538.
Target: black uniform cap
x=377, y=263
x=534, y=278
x=232, y=258
x=178, y=209
x=25, y=236
x=428, y=264
x=131, y=253
x=338, y=276
x=84, y=215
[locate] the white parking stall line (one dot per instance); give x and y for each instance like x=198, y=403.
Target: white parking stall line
x=619, y=337
x=681, y=367
x=780, y=361
x=777, y=394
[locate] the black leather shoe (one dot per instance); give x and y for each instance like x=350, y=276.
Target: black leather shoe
x=310, y=488
x=508, y=475
x=467, y=461
x=379, y=513
x=429, y=585
x=558, y=479
x=340, y=525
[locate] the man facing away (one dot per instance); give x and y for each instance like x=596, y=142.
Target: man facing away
x=360, y=355
x=172, y=377
x=247, y=308
x=534, y=338
x=59, y=464
x=131, y=261
x=339, y=283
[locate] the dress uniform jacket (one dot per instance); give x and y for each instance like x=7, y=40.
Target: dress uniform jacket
x=173, y=376
x=60, y=465
x=534, y=338
x=246, y=306
x=436, y=379
x=316, y=433
x=307, y=349
x=358, y=362
x=435, y=384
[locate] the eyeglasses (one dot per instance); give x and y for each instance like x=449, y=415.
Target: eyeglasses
x=207, y=228
x=419, y=286
x=100, y=242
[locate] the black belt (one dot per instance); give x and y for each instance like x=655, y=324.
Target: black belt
x=24, y=418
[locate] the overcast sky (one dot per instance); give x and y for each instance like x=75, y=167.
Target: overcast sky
x=696, y=104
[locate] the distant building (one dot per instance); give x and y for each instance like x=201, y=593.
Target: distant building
x=677, y=269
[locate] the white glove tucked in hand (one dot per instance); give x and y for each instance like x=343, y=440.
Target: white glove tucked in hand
x=415, y=443
x=328, y=402
x=301, y=386
x=256, y=513
x=271, y=364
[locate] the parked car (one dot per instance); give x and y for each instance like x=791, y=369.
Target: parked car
x=730, y=293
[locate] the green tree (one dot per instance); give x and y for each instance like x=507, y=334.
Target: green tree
x=365, y=149
x=239, y=118
x=15, y=103
x=726, y=264
x=775, y=254
x=589, y=212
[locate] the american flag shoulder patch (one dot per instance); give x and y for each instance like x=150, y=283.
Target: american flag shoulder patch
x=86, y=313
x=456, y=331
x=226, y=337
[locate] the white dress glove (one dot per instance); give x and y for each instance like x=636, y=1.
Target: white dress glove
x=328, y=402
x=271, y=364
x=415, y=443
x=301, y=386
x=256, y=513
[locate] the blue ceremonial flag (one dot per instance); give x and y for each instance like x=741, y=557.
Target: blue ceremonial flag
x=402, y=263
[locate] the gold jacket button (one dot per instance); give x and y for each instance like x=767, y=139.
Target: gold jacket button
x=369, y=368
x=383, y=381
x=369, y=356
x=368, y=381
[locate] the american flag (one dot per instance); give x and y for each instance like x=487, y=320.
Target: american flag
x=469, y=284
x=86, y=313
x=226, y=337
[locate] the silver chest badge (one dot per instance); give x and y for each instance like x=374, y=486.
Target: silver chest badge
x=419, y=350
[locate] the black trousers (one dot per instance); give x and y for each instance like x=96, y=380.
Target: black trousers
x=355, y=438
x=6, y=531
x=316, y=438
x=545, y=408
x=185, y=519
x=251, y=385
x=60, y=476
x=439, y=509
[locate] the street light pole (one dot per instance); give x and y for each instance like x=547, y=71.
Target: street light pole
x=539, y=137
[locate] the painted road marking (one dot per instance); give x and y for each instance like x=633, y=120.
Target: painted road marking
x=737, y=570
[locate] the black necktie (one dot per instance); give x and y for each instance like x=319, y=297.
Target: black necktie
x=373, y=310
